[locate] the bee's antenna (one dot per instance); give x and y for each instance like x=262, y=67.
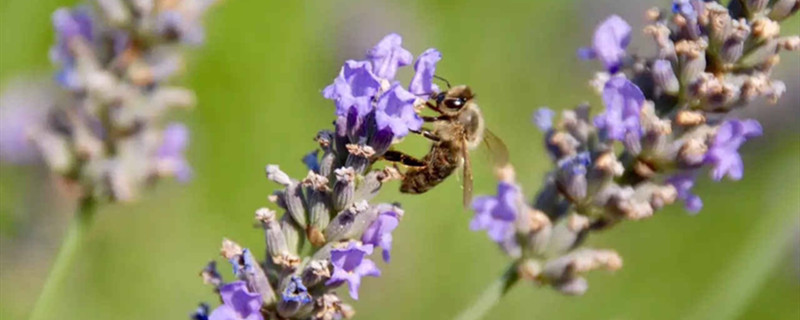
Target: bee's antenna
x=443, y=79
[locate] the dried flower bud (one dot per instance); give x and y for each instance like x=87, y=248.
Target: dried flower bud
x=344, y=188
x=688, y=118
x=316, y=272
x=275, y=174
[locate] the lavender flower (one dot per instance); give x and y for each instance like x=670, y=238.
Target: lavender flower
x=354, y=88
x=723, y=154
x=329, y=228
x=623, y=101
x=379, y=233
x=608, y=45
x=114, y=61
x=170, y=153
x=496, y=214
x=683, y=184
x=663, y=121
x=237, y=303
x=350, y=264
x=543, y=119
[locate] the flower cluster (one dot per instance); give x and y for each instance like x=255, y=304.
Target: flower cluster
x=329, y=229
x=105, y=129
x=664, y=122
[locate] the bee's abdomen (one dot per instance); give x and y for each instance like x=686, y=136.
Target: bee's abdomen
x=441, y=161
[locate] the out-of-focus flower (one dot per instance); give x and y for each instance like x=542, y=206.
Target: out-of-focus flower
x=608, y=45
x=543, y=119
x=496, y=214
x=723, y=154
x=683, y=184
x=170, y=155
x=623, y=101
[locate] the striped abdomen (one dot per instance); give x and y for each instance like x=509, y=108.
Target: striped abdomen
x=443, y=158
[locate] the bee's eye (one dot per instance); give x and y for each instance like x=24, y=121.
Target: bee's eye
x=455, y=104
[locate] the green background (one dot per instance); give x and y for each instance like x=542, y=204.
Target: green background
x=258, y=81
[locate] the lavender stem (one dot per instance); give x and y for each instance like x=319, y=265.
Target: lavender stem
x=491, y=295
x=77, y=231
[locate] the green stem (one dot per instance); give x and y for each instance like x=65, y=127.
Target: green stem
x=491, y=295
x=61, y=267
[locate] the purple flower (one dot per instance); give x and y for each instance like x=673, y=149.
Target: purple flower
x=388, y=55
x=354, y=87
x=350, y=264
x=425, y=68
x=69, y=24
x=575, y=165
x=610, y=40
x=496, y=214
x=379, y=233
x=684, y=183
x=311, y=160
x=543, y=118
x=237, y=303
x=723, y=154
x=21, y=112
x=170, y=153
x=296, y=292
x=395, y=110
x=623, y=101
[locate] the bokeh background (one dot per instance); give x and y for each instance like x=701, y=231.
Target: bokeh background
x=258, y=81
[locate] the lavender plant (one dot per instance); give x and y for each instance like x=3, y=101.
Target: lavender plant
x=105, y=132
x=329, y=229
x=665, y=121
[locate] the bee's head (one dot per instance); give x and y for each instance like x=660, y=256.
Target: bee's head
x=454, y=99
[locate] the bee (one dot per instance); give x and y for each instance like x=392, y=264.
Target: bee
x=457, y=130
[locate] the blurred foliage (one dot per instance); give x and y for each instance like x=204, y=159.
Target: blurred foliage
x=258, y=82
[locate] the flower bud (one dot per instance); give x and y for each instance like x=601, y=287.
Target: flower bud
x=316, y=272
x=358, y=157
x=275, y=239
x=665, y=78
x=344, y=188
x=275, y=174
x=351, y=222
x=294, y=234
x=319, y=211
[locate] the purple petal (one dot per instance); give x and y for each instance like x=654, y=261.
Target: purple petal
x=388, y=55
x=425, y=68
x=395, y=110
x=611, y=38
x=623, y=101
x=543, y=118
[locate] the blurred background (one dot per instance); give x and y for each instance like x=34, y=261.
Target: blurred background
x=258, y=81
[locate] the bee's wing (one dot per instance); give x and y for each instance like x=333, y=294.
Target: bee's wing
x=497, y=149
x=467, y=183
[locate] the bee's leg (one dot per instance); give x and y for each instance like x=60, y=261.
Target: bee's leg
x=433, y=107
x=427, y=134
x=397, y=156
x=434, y=119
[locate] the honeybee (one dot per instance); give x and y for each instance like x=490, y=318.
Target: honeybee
x=458, y=129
